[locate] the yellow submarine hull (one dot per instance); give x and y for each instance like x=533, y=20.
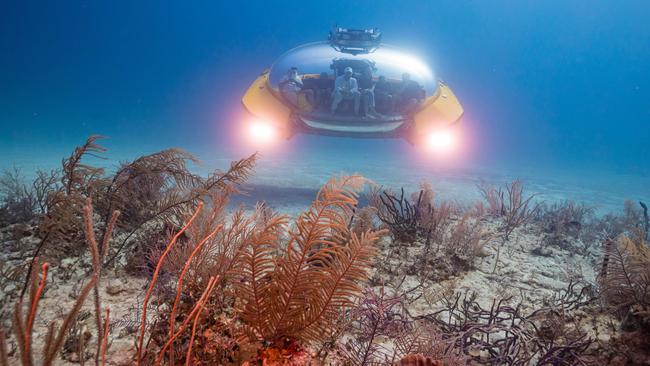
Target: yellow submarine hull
x=439, y=111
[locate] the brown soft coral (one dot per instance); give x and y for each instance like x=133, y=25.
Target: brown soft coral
x=300, y=292
x=419, y=360
x=625, y=280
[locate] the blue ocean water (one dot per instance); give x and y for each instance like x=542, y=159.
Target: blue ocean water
x=556, y=92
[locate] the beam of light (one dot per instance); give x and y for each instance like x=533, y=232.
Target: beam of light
x=262, y=132
x=441, y=141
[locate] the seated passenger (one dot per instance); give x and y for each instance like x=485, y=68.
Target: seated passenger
x=367, y=87
x=291, y=87
x=384, y=95
x=409, y=94
x=345, y=87
x=323, y=89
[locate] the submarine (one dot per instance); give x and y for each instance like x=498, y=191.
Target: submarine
x=393, y=94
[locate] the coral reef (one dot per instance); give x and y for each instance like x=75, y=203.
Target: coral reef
x=179, y=276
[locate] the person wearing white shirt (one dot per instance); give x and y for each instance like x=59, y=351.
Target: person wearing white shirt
x=291, y=86
x=346, y=87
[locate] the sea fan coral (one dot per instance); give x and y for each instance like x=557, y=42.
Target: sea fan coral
x=625, y=279
x=299, y=293
x=288, y=285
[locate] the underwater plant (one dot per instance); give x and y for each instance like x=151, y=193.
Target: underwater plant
x=285, y=283
x=448, y=241
x=214, y=246
x=381, y=331
x=625, y=280
x=322, y=250
x=159, y=186
x=18, y=202
x=458, y=244
x=23, y=328
x=565, y=225
x=400, y=215
x=503, y=334
x=417, y=218
x=151, y=189
x=97, y=264
x=515, y=209
x=511, y=206
x=613, y=225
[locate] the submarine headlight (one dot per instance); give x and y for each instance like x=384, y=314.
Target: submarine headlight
x=262, y=131
x=441, y=141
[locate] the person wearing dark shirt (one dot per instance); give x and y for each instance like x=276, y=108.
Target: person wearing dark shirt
x=383, y=95
x=367, y=88
x=323, y=86
x=409, y=94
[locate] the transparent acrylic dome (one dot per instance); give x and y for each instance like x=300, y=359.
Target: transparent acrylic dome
x=387, y=61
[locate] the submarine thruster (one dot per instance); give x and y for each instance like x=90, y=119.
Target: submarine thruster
x=353, y=85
